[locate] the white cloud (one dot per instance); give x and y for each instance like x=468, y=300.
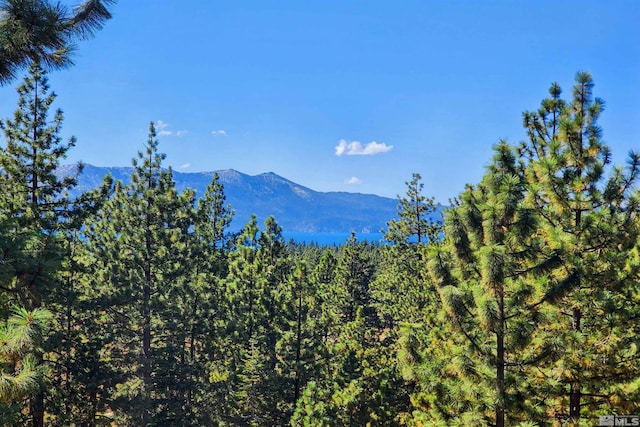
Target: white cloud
x=186, y=165
x=353, y=181
x=355, y=148
x=218, y=132
x=162, y=129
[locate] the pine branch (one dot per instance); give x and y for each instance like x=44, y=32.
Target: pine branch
x=89, y=17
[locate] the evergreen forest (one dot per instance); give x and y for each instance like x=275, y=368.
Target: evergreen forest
x=138, y=305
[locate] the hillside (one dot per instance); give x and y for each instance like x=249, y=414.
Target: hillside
x=295, y=207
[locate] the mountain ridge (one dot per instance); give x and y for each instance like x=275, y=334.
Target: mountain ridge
x=295, y=207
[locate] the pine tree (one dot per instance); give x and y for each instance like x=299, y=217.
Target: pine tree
x=79, y=384
x=33, y=199
x=416, y=214
x=353, y=274
x=141, y=276
x=592, y=222
x=358, y=382
x=487, y=274
x=300, y=347
x=34, y=208
x=401, y=291
x=37, y=31
x=204, y=304
x=214, y=217
x=255, y=321
x=322, y=276
x=20, y=340
x=536, y=278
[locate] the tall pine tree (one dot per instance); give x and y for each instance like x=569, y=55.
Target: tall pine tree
x=141, y=276
x=591, y=221
x=33, y=206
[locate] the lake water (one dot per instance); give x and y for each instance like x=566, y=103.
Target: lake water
x=330, y=239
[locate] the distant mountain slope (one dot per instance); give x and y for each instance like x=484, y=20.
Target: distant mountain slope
x=296, y=208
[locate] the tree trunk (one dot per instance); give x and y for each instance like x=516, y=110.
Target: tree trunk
x=146, y=331
x=146, y=316
x=37, y=401
x=500, y=382
x=574, y=401
x=91, y=422
x=574, y=391
x=576, y=316
x=146, y=351
x=37, y=408
x=192, y=346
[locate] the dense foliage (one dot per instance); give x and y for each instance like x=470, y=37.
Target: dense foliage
x=136, y=304
x=45, y=32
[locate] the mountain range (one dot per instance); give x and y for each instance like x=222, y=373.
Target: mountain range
x=296, y=208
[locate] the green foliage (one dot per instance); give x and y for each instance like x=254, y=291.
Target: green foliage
x=300, y=349
x=484, y=273
x=19, y=339
x=352, y=277
x=38, y=31
x=139, y=244
x=33, y=204
x=591, y=222
x=536, y=282
x=358, y=383
x=415, y=216
x=213, y=218
x=402, y=290
x=254, y=364
x=521, y=310
x=34, y=211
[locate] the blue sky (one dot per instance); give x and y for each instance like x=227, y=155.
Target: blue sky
x=341, y=95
